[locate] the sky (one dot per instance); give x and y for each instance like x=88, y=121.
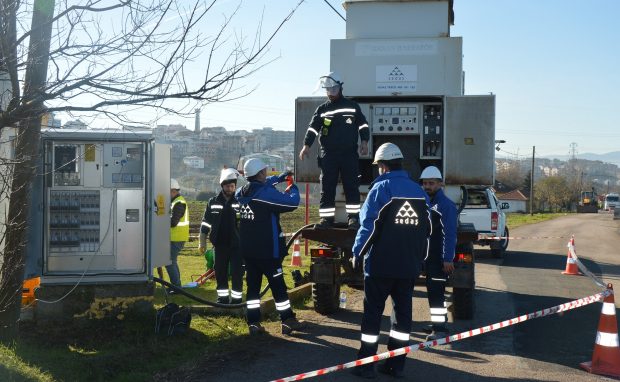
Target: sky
x=553, y=66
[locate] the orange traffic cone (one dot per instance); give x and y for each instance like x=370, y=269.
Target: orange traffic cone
x=296, y=259
x=606, y=356
x=571, y=263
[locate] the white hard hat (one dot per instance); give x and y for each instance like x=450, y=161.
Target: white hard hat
x=387, y=151
x=174, y=185
x=228, y=174
x=431, y=172
x=330, y=80
x=253, y=167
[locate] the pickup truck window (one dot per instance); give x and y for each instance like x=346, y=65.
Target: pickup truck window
x=477, y=199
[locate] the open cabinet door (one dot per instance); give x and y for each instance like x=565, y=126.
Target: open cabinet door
x=159, y=215
x=470, y=137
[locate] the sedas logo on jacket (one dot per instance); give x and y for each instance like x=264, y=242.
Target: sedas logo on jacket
x=406, y=215
x=246, y=212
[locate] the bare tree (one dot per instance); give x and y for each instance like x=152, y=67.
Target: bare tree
x=109, y=57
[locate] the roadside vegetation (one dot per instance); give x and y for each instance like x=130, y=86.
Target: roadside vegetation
x=515, y=220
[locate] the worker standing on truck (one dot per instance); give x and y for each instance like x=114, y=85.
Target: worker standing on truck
x=262, y=241
x=179, y=231
x=440, y=262
x=221, y=224
x=393, y=242
x=338, y=123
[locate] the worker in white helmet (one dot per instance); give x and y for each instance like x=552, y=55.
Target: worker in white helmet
x=339, y=123
x=262, y=242
x=440, y=261
x=392, y=243
x=179, y=231
x=220, y=223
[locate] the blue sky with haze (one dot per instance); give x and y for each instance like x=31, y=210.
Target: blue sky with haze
x=552, y=64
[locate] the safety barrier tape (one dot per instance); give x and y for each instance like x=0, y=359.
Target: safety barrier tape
x=453, y=338
x=485, y=237
x=583, y=268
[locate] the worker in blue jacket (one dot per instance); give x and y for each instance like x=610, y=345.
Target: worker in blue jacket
x=262, y=241
x=440, y=262
x=393, y=243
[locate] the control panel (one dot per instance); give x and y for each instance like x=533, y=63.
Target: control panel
x=394, y=119
x=432, y=132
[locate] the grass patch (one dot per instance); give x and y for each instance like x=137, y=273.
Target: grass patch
x=130, y=350
x=515, y=220
x=110, y=351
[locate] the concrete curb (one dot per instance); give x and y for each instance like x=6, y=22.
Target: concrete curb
x=267, y=307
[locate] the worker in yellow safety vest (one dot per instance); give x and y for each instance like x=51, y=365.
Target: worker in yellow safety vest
x=179, y=230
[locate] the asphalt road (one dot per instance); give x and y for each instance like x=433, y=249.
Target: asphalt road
x=527, y=279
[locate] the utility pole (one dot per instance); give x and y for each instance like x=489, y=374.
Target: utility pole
x=532, y=182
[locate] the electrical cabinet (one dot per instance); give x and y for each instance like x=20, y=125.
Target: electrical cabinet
x=105, y=212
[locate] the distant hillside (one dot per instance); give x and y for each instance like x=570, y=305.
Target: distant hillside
x=611, y=157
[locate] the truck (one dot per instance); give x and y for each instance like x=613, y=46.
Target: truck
x=400, y=64
x=587, y=202
x=612, y=201
x=485, y=212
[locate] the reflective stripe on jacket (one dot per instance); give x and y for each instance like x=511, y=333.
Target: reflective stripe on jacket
x=180, y=232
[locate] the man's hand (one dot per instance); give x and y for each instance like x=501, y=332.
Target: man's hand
x=305, y=152
x=448, y=267
x=364, y=148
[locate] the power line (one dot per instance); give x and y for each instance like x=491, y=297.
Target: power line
x=334, y=9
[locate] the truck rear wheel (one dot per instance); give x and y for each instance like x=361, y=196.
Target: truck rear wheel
x=326, y=297
x=463, y=303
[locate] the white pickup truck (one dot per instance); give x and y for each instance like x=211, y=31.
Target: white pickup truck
x=486, y=213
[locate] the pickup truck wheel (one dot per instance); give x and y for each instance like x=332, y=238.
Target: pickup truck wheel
x=498, y=253
x=463, y=303
x=505, y=241
x=326, y=297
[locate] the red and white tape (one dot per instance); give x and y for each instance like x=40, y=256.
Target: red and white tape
x=573, y=258
x=485, y=237
x=453, y=338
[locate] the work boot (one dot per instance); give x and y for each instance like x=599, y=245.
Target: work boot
x=385, y=368
x=256, y=329
x=428, y=329
x=354, y=223
x=325, y=223
x=223, y=300
x=291, y=324
x=437, y=334
x=365, y=371
x=235, y=301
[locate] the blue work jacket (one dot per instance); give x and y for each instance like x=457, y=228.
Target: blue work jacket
x=395, y=227
x=259, y=212
x=444, y=245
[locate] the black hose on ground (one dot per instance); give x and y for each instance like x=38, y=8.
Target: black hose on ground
x=297, y=233
x=217, y=304
x=180, y=290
